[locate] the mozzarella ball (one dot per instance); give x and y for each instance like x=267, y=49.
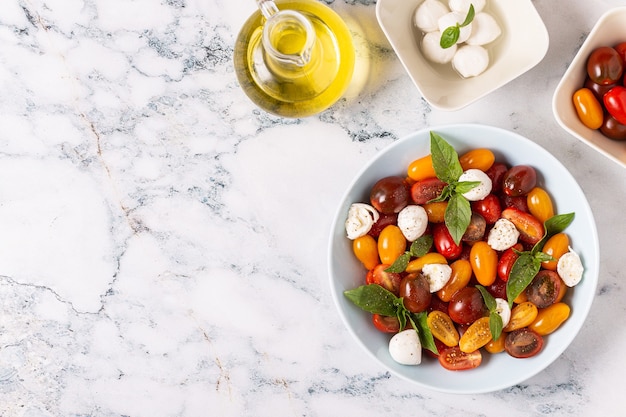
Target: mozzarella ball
x=570, y=268
x=502, y=235
x=428, y=13
x=485, y=30
x=470, y=60
x=503, y=310
x=452, y=19
x=462, y=6
x=437, y=275
x=434, y=52
x=412, y=221
x=405, y=348
x=482, y=190
x=361, y=218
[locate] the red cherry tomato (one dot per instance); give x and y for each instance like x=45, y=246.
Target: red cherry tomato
x=605, y=65
x=489, y=208
x=390, y=194
x=531, y=229
x=466, y=306
x=386, y=324
x=498, y=289
x=384, y=220
x=427, y=189
x=615, y=103
x=519, y=180
x=523, y=343
x=506, y=261
x=444, y=243
x=387, y=280
x=613, y=129
x=453, y=359
x=496, y=174
x=621, y=50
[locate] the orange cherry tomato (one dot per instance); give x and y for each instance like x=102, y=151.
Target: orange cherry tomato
x=530, y=228
x=416, y=265
x=496, y=346
x=550, y=318
x=421, y=168
x=481, y=159
x=391, y=244
x=556, y=246
x=442, y=328
x=521, y=316
x=436, y=211
x=540, y=204
x=476, y=336
x=588, y=108
x=365, y=249
x=459, y=278
x=522, y=298
x=484, y=261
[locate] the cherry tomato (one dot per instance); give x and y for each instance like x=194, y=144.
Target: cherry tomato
x=388, y=280
x=442, y=328
x=498, y=289
x=550, y=318
x=540, y=204
x=390, y=194
x=523, y=343
x=480, y=158
x=436, y=304
x=466, y=306
x=453, y=359
x=436, y=211
x=421, y=168
x=621, y=50
x=544, y=289
x=605, y=65
x=519, y=202
x=415, y=292
x=496, y=346
x=506, y=261
x=417, y=264
x=459, y=278
x=386, y=324
x=496, y=174
x=444, y=243
x=484, y=261
x=475, y=229
x=613, y=129
x=384, y=220
x=476, y=336
x=519, y=180
x=615, y=103
x=489, y=207
x=427, y=189
x=365, y=249
x=588, y=108
x=598, y=90
x=531, y=230
x=556, y=246
x=521, y=316
x=391, y=244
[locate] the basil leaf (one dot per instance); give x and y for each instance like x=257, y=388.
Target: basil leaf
x=490, y=302
x=465, y=186
x=495, y=324
x=399, y=264
x=543, y=257
x=457, y=216
x=374, y=299
x=445, y=159
x=421, y=246
x=449, y=36
x=470, y=16
x=522, y=273
x=419, y=323
x=554, y=225
x=401, y=315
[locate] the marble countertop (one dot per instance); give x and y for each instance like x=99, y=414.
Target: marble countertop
x=163, y=241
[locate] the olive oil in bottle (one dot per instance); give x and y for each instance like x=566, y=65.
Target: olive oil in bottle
x=294, y=58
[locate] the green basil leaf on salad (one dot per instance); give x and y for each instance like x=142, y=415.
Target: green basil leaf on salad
x=374, y=299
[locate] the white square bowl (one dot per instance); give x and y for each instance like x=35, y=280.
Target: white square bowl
x=522, y=45
x=608, y=31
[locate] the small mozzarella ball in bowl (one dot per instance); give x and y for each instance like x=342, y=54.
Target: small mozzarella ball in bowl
x=453, y=19
x=470, y=60
x=428, y=13
x=485, y=30
x=434, y=52
x=462, y=6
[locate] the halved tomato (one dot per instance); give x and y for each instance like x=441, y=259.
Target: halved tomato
x=523, y=343
x=386, y=324
x=453, y=359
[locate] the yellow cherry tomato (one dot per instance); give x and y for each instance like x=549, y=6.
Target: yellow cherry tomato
x=588, y=108
x=442, y=327
x=391, y=244
x=421, y=168
x=476, y=336
x=496, y=346
x=484, y=261
x=521, y=316
x=540, y=204
x=416, y=265
x=436, y=211
x=481, y=159
x=550, y=318
x=459, y=278
x=365, y=249
x=556, y=247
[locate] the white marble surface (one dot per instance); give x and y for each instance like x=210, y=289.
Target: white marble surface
x=163, y=242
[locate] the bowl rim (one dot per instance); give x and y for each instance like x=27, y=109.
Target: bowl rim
x=591, y=266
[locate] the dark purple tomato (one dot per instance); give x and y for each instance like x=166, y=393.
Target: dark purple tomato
x=544, y=289
x=415, y=292
x=466, y=306
x=444, y=243
x=437, y=304
x=498, y=289
x=427, y=189
x=384, y=220
x=390, y=195
x=496, y=174
x=598, y=90
x=613, y=129
x=519, y=180
x=489, y=207
x=523, y=343
x=605, y=66
x=476, y=229
x=519, y=202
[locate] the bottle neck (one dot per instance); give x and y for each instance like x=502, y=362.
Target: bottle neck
x=288, y=38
